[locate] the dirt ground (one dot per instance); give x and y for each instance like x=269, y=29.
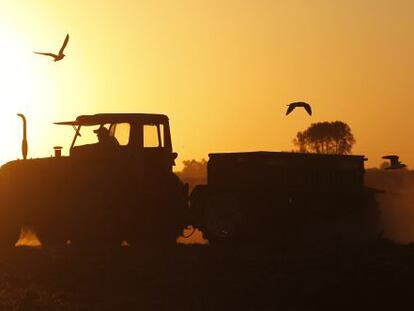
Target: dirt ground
x=378, y=276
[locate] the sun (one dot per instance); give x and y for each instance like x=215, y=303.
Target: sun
x=21, y=90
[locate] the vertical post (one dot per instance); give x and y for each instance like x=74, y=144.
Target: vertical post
x=25, y=147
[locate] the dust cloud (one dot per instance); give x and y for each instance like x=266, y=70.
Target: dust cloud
x=28, y=238
x=396, y=203
x=190, y=237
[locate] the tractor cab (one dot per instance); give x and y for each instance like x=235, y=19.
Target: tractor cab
x=122, y=135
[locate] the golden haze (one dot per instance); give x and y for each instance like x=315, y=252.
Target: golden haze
x=222, y=70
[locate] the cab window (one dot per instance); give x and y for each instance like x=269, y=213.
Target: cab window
x=88, y=136
x=121, y=132
x=153, y=135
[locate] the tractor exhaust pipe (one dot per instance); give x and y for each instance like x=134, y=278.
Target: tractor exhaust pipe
x=24, y=141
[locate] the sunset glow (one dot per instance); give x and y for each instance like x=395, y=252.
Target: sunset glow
x=206, y=154
x=19, y=88
x=222, y=70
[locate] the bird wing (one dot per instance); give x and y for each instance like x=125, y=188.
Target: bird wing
x=290, y=108
x=302, y=104
x=65, y=43
x=299, y=104
x=47, y=54
x=308, y=109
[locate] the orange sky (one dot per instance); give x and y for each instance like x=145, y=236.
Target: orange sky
x=222, y=70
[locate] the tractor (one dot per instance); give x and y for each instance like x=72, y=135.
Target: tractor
x=116, y=184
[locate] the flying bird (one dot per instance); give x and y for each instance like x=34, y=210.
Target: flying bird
x=59, y=56
x=292, y=106
x=394, y=162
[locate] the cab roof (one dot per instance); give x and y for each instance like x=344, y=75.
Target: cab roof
x=102, y=118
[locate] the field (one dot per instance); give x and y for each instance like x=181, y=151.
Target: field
x=261, y=276
x=202, y=277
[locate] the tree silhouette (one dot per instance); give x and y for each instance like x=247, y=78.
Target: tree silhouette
x=194, y=168
x=325, y=137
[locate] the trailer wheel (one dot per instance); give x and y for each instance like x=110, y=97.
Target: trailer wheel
x=222, y=218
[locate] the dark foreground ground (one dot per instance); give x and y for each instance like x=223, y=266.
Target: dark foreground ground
x=379, y=276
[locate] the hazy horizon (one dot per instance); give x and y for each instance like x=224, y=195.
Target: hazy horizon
x=223, y=71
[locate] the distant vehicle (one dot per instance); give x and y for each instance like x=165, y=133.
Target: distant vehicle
x=101, y=192
x=395, y=163
x=285, y=197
